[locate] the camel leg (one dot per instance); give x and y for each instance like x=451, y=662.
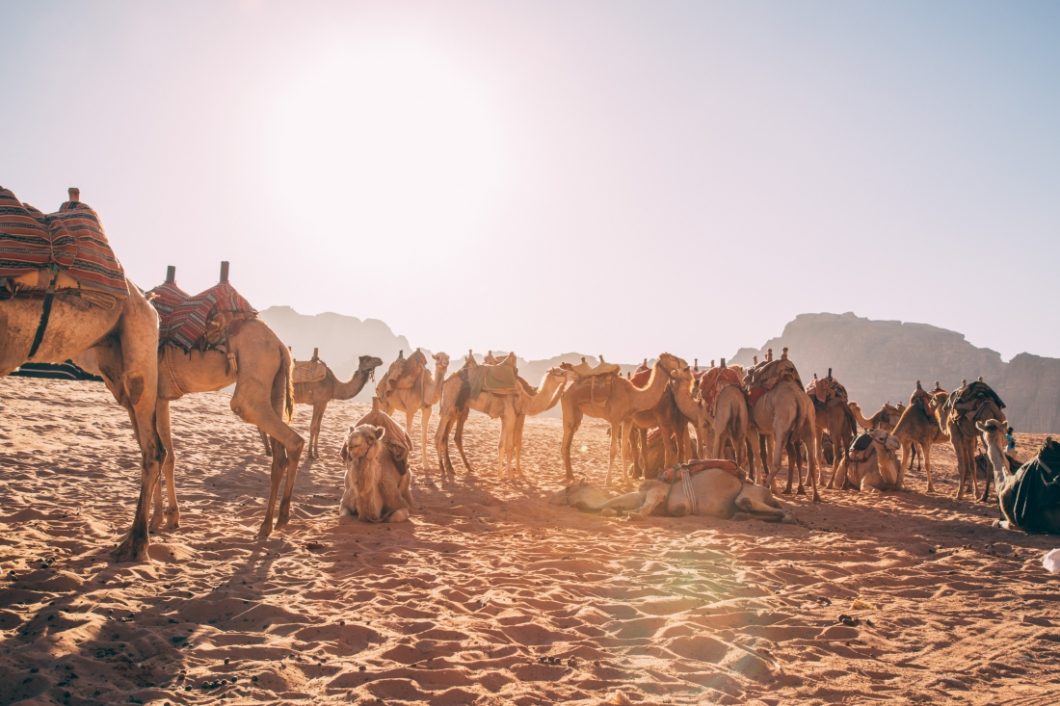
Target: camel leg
x=171, y=514
x=441, y=445
x=410, y=417
x=612, y=449
x=458, y=437
x=625, y=430
x=962, y=468
x=136, y=375
x=759, y=509
x=314, y=429
x=812, y=470
x=517, y=439
x=973, y=469
x=926, y=452
x=425, y=418
x=265, y=442
x=572, y=419
x=252, y=406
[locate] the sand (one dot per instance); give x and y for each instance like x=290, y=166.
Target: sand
x=489, y=595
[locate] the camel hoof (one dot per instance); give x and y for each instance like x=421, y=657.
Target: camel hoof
x=816, y=498
x=128, y=551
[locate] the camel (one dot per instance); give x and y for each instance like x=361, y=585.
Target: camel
x=260, y=366
x=530, y=403
x=614, y=399
x=321, y=392
x=871, y=462
x=728, y=424
x=113, y=336
x=885, y=417
x=377, y=482
x=666, y=416
x=920, y=427
x=711, y=488
x=1029, y=495
x=419, y=397
x=782, y=415
x=511, y=408
x=832, y=415
x=971, y=403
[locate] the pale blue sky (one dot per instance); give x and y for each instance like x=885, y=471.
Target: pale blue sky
x=615, y=177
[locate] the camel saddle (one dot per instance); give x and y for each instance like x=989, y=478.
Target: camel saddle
x=501, y=379
x=966, y=400
x=641, y=376
x=673, y=475
x=825, y=389
x=61, y=251
x=862, y=448
x=509, y=360
x=407, y=373
x=584, y=370
x=1034, y=489
x=713, y=380
x=766, y=376
x=203, y=321
x=309, y=371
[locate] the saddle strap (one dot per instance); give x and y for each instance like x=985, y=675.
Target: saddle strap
x=46, y=313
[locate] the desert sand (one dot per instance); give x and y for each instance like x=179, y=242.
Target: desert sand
x=489, y=595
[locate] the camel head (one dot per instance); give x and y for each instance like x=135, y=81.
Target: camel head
x=441, y=360
x=993, y=432
x=1050, y=452
x=670, y=362
x=368, y=364
x=885, y=439
x=360, y=452
x=682, y=375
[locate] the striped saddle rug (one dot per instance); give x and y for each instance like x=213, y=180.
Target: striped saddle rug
x=201, y=321
x=65, y=250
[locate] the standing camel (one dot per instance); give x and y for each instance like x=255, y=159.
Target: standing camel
x=530, y=403
x=112, y=333
x=920, y=426
x=614, y=399
x=782, y=416
x=971, y=403
x=832, y=415
x=253, y=358
x=420, y=397
x=321, y=392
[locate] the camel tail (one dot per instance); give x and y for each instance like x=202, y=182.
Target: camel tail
x=283, y=386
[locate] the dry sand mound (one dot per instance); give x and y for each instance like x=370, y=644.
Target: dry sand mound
x=488, y=595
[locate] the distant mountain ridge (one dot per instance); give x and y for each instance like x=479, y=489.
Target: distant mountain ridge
x=878, y=361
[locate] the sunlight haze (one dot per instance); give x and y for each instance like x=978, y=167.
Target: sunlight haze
x=617, y=178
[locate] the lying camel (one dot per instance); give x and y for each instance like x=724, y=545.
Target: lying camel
x=871, y=462
x=711, y=487
x=1029, y=497
x=376, y=452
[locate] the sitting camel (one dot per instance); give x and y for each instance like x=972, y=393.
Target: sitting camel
x=886, y=417
x=376, y=452
x=711, y=487
x=1029, y=497
x=871, y=462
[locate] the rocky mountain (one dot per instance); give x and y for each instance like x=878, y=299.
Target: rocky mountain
x=878, y=361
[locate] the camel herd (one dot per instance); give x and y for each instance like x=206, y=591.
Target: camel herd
x=664, y=417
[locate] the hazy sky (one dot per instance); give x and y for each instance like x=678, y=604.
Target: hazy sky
x=615, y=177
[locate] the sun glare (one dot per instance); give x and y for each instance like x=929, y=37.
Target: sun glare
x=384, y=142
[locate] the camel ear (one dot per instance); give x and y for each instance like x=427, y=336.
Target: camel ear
x=980, y=427
x=378, y=432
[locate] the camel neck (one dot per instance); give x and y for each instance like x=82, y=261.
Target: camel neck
x=349, y=389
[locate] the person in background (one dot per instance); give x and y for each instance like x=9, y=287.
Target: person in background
x=1011, y=441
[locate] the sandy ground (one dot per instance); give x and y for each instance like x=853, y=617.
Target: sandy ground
x=489, y=595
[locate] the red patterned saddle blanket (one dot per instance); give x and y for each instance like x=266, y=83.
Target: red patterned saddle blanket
x=64, y=250
x=201, y=321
